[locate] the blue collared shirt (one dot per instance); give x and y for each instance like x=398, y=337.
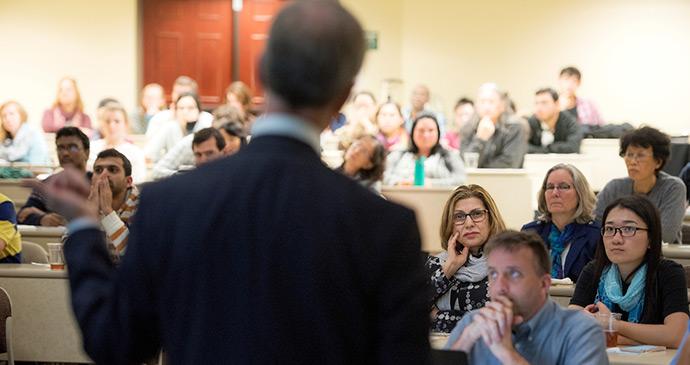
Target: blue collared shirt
x=287, y=125
x=554, y=336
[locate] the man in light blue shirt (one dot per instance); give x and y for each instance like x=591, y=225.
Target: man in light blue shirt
x=521, y=324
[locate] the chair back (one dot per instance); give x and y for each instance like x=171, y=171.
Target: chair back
x=5, y=313
x=33, y=252
x=686, y=234
x=687, y=276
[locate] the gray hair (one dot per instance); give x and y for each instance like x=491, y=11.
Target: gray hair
x=585, y=196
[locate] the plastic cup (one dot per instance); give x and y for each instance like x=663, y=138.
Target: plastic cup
x=55, y=257
x=609, y=323
x=471, y=159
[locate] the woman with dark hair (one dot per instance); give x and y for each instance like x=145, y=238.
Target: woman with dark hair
x=187, y=111
x=364, y=162
x=459, y=274
x=441, y=168
x=391, y=125
x=235, y=136
x=645, y=151
x=628, y=276
x=565, y=221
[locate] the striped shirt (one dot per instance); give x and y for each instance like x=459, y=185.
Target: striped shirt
x=116, y=224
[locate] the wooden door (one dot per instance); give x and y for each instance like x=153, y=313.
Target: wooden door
x=188, y=37
x=254, y=24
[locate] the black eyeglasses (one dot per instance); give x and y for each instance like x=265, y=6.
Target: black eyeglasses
x=476, y=215
x=626, y=231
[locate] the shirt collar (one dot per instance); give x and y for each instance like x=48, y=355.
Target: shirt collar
x=287, y=125
x=542, y=316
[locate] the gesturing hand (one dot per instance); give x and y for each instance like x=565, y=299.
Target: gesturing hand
x=455, y=260
x=66, y=194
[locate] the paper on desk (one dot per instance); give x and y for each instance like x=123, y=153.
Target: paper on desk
x=565, y=281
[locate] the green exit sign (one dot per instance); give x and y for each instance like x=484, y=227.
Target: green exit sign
x=372, y=39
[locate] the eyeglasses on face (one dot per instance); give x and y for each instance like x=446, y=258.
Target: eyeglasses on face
x=636, y=156
x=626, y=231
x=476, y=215
x=561, y=187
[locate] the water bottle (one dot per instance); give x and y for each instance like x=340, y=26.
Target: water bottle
x=419, y=171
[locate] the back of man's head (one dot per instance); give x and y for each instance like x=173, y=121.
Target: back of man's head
x=314, y=52
x=512, y=241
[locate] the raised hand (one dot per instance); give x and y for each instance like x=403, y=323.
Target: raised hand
x=455, y=260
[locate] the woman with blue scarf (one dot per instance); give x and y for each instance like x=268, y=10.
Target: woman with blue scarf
x=566, y=224
x=628, y=276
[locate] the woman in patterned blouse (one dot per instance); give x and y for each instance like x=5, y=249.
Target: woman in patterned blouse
x=458, y=274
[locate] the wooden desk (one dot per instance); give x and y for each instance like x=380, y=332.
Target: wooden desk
x=510, y=188
x=677, y=253
x=41, y=235
x=438, y=341
x=12, y=189
x=43, y=323
x=650, y=358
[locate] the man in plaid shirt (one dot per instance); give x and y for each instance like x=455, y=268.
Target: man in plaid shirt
x=583, y=109
x=116, y=198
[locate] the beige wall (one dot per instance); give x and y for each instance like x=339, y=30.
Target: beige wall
x=452, y=45
x=94, y=41
x=455, y=45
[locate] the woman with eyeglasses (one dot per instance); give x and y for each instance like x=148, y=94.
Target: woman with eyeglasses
x=645, y=152
x=628, y=276
x=459, y=274
x=565, y=221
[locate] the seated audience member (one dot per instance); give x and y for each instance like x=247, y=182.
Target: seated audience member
x=628, y=276
x=183, y=84
x=72, y=150
x=234, y=134
x=463, y=113
x=232, y=130
x=114, y=124
x=419, y=105
x=239, y=96
x=364, y=162
x=494, y=133
x=187, y=112
x=115, y=197
x=521, y=324
x=361, y=118
x=67, y=110
x=645, y=151
x=152, y=102
x=207, y=145
x=10, y=239
x=391, y=125
x=685, y=176
x=565, y=221
x=19, y=140
x=584, y=110
x=459, y=274
x=441, y=167
x=552, y=131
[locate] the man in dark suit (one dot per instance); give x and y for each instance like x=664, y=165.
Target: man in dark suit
x=266, y=256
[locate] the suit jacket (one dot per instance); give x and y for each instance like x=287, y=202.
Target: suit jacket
x=266, y=256
x=582, y=246
x=567, y=136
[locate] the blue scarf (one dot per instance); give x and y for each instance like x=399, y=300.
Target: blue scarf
x=610, y=291
x=558, y=241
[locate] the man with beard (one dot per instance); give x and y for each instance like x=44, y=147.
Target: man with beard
x=521, y=324
x=114, y=197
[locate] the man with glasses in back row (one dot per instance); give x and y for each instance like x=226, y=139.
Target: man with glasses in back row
x=72, y=150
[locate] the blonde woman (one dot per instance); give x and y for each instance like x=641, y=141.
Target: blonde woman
x=459, y=273
x=20, y=141
x=566, y=221
x=67, y=110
